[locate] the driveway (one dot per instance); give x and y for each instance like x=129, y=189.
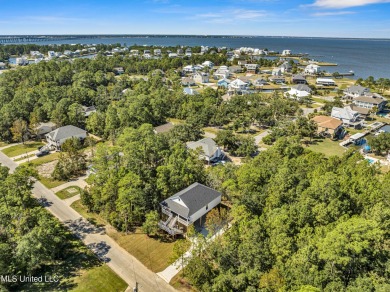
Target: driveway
x=120, y=261
x=260, y=137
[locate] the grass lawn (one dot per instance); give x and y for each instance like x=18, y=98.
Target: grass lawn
x=24, y=157
x=176, y=121
x=22, y=148
x=99, y=279
x=80, y=270
x=154, y=253
x=2, y=144
x=44, y=159
x=50, y=183
x=327, y=147
x=211, y=130
x=69, y=192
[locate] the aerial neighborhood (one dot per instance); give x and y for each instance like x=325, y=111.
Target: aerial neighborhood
x=196, y=156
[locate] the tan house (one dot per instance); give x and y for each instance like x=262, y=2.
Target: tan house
x=328, y=125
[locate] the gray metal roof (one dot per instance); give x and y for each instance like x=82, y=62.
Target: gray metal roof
x=195, y=197
x=346, y=113
x=66, y=132
x=357, y=89
x=208, y=146
x=302, y=87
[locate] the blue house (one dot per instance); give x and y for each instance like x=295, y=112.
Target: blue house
x=223, y=83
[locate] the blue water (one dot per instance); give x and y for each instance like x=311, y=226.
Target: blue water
x=366, y=57
x=385, y=128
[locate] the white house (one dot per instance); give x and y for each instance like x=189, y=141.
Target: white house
x=298, y=91
x=190, y=91
x=347, y=115
x=189, y=69
x=325, y=82
x=21, y=61
x=312, y=69
x=222, y=72
x=57, y=137
x=356, y=91
x=238, y=85
x=187, y=206
x=251, y=68
x=286, y=53
x=51, y=54
x=208, y=64
x=210, y=149
x=277, y=72
x=370, y=101
x=201, y=77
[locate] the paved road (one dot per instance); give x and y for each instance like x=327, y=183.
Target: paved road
x=120, y=261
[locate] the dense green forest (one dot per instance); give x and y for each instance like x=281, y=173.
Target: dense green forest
x=57, y=91
x=32, y=242
x=301, y=222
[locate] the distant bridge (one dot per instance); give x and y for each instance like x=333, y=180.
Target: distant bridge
x=33, y=38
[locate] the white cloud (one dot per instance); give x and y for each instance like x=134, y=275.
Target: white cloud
x=332, y=13
x=338, y=4
x=229, y=16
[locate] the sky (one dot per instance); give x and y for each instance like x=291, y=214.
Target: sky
x=314, y=18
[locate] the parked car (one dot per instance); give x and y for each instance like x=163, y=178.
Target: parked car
x=42, y=153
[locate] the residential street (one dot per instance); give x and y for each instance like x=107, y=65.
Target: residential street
x=120, y=261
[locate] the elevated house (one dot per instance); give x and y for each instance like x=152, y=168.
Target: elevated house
x=57, y=137
x=210, y=150
x=190, y=91
x=285, y=67
x=277, y=79
x=325, y=82
x=370, y=102
x=277, y=72
x=238, y=86
x=187, y=206
x=235, y=69
x=222, y=72
x=312, y=69
x=298, y=79
x=298, y=91
x=251, y=68
x=188, y=81
x=260, y=82
x=201, y=77
x=348, y=116
x=208, y=64
x=355, y=91
x=223, y=82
